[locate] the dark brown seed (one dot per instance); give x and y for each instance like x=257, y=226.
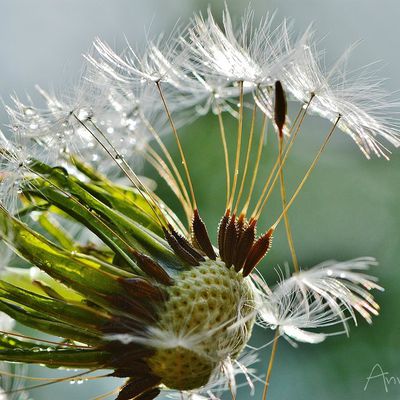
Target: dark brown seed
x=201, y=236
x=186, y=244
x=280, y=107
x=244, y=246
x=179, y=250
x=231, y=239
x=141, y=311
x=241, y=225
x=136, y=368
x=257, y=252
x=118, y=325
x=153, y=269
x=126, y=356
x=137, y=387
x=221, y=234
x=141, y=288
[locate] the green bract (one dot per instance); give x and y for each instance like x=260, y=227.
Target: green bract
x=134, y=306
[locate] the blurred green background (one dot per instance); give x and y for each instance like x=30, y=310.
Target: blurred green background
x=348, y=208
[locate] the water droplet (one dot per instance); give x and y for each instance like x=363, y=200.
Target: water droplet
x=83, y=114
x=36, y=349
x=35, y=215
x=29, y=111
x=130, y=123
x=68, y=131
x=119, y=158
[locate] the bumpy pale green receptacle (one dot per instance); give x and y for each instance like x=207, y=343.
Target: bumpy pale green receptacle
x=204, y=302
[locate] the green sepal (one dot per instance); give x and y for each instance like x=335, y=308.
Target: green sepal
x=47, y=325
x=132, y=233
x=127, y=203
x=53, y=228
x=26, y=278
x=72, y=313
x=121, y=197
x=59, y=358
x=105, y=231
x=10, y=342
x=83, y=274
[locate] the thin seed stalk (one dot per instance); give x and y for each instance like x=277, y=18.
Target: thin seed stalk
x=270, y=364
x=311, y=168
x=285, y=216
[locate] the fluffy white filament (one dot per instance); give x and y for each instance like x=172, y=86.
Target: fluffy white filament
x=200, y=67
x=325, y=295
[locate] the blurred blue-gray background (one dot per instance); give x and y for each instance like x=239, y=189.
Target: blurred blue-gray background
x=349, y=207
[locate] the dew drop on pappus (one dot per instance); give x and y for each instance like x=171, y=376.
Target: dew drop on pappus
x=29, y=111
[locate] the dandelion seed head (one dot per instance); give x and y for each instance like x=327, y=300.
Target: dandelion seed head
x=158, y=304
x=206, y=321
x=224, y=378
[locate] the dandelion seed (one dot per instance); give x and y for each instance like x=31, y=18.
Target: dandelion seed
x=320, y=297
x=357, y=96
